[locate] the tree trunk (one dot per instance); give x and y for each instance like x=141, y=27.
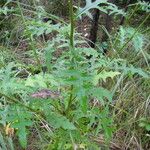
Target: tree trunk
x=94, y=28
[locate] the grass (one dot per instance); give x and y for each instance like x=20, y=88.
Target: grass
x=127, y=115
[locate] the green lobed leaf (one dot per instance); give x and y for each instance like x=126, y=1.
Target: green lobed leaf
x=89, y=5
x=109, y=8
x=101, y=93
x=20, y=119
x=59, y=121
x=104, y=75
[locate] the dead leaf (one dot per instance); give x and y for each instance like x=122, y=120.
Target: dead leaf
x=45, y=93
x=9, y=131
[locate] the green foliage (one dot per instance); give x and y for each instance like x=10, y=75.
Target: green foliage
x=145, y=123
x=37, y=27
x=138, y=41
x=104, y=75
x=6, y=10
x=6, y=144
x=20, y=119
x=81, y=105
x=106, y=7
x=144, y=6
x=5, y=56
x=59, y=121
x=9, y=84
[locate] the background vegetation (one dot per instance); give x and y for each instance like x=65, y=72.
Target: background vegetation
x=57, y=91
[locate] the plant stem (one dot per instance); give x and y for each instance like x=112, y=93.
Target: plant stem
x=70, y=100
x=72, y=24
